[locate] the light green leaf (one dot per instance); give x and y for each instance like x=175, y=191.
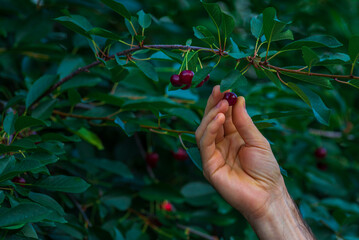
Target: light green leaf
x=118, y=7
x=144, y=19
x=148, y=69
x=39, y=88
x=313, y=42
x=90, y=137
x=257, y=26
x=63, y=183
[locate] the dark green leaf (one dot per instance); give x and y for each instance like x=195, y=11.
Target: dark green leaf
x=313, y=42
x=195, y=156
x=22, y=214
x=63, y=183
x=204, y=34
x=309, y=56
x=118, y=7
x=236, y=52
x=44, y=110
x=276, y=115
x=104, y=33
x=150, y=102
x=76, y=23
x=214, y=11
x=200, y=75
x=353, y=49
x=160, y=192
x=273, y=78
x=9, y=123
x=233, y=80
x=320, y=81
x=354, y=83
x=333, y=58
x=116, y=167
x=128, y=128
x=47, y=201
x=228, y=24
x=68, y=65
x=107, y=98
x=272, y=27
x=148, y=69
x=121, y=203
x=39, y=88
x=27, y=122
x=81, y=81
x=74, y=96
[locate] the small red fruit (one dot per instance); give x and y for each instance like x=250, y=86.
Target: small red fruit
x=206, y=78
x=231, y=98
x=152, y=159
x=19, y=180
x=167, y=206
x=200, y=84
x=180, y=155
x=186, y=87
x=320, y=152
x=176, y=81
x=186, y=77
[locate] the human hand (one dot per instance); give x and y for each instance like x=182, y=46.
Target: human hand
x=237, y=159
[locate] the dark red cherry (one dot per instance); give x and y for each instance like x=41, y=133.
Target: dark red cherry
x=320, y=152
x=180, y=155
x=186, y=76
x=231, y=98
x=186, y=87
x=206, y=78
x=200, y=84
x=176, y=81
x=19, y=180
x=152, y=159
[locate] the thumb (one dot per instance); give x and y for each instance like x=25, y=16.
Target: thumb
x=245, y=126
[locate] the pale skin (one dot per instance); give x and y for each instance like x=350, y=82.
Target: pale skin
x=238, y=161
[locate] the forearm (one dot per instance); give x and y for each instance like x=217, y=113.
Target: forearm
x=282, y=221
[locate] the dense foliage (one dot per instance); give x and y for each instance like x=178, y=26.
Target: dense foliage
x=92, y=131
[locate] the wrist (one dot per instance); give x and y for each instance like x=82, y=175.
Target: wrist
x=280, y=220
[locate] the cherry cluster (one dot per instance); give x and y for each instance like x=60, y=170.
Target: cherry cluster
x=185, y=78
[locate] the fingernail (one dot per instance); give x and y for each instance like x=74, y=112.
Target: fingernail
x=216, y=117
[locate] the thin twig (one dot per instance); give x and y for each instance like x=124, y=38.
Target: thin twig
x=79, y=207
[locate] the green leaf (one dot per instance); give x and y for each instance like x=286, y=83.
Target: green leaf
x=263, y=125
x=233, y=80
x=68, y=65
x=175, y=56
x=73, y=96
x=148, y=69
x=309, y=56
x=39, y=88
x=333, y=58
x=47, y=201
x=195, y=156
x=353, y=49
x=81, y=81
x=133, y=26
x=354, y=83
x=118, y=7
x=60, y=137
x=22, y=214
x=144, y=19
x=340, y=204
x=273, y=78
x=90, y=137
x=9, y=123
x=107, y=98
x=116, y=167
x=257, y=26
x=76, y=23
x=44, y=109
x=214, y=12
x=321, y=112
x=320, y=81
x=236, y=52
x=129, y=128
x=121, y=203
x=104, y=33
x=27, y=122
x=198, y=193
x=272, y=27
x=204, y=34
x=313, y=42
x=160, y=192
x=228, y=24
x=150, y=102
x=200, y=75
x=287, y=35
x=283, y=114
x=63, y=183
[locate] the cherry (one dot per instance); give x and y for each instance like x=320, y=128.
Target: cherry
x=231, y=98
x=176, y=81
x=186, y=77
x=322, y=166
x=167, y=206
x=180, y=155
x=19, y=180
x=200, y=84
x=320, y=152
x=206, y=78
x=152, y=159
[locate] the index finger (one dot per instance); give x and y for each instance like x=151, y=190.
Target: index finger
x=213, y=99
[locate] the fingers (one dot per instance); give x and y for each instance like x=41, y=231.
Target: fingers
x=221, y=107
x=245, y=126
x=207, y=143
x=215, y=97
